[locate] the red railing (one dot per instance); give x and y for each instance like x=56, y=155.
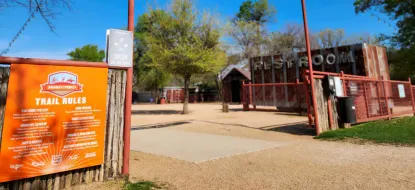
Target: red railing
x=376, y=99
x=283, y=97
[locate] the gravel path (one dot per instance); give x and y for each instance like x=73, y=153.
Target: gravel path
x=304, y=164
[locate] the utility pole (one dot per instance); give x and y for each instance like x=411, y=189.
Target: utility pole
x=310, y=65
x=128, y=99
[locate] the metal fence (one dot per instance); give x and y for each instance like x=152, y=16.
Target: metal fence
x=379, y=99
x=376, y=99
x=291, y=97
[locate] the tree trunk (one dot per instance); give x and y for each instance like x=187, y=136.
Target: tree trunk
x=258, y=41
x=186, y=95
x=219, y=87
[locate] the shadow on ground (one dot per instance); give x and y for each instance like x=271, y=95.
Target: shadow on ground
x=155, y=112
x=293, y=128
x=160, y=125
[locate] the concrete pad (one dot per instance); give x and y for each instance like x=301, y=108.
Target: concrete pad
x=194, y=147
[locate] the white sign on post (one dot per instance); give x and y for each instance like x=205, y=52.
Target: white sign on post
x=119, y=48
x=339, y=87
x=401, y=88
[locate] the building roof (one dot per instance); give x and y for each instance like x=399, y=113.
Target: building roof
x=242, y=71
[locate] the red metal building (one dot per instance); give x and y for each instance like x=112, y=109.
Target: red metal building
x=232, y=84
x=359, y=59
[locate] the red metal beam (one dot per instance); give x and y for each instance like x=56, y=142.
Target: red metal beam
x=385, y=116
x=310, y=66
x=275, y=84
x=32, y=61
x=128, y=98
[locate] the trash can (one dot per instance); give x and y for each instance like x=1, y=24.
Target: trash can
x=162, y=100
x=347, y=109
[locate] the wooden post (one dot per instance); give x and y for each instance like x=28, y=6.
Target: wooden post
x=4, y=81
x=323, y=116
x=330, y=113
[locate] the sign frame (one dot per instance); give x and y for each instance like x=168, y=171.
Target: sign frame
x=119, y=50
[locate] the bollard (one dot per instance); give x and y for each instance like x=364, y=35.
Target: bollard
x=225, y=107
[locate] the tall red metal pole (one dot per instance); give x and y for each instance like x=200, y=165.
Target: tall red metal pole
x=310, y=65
x=128, y=99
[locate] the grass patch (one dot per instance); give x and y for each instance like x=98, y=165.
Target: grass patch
x=142, y=185
x=399, y=131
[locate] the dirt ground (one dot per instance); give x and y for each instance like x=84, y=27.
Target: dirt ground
x=305, y=163
x=150, y=115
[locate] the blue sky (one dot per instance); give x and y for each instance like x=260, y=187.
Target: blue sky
x=88, y=21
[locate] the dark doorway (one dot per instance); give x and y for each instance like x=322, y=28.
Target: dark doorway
x=236, y=91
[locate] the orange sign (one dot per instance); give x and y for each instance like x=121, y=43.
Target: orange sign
x=54, y=121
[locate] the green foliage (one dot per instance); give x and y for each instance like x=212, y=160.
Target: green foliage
x=402, y=11
x=148, y=75
x=397, y=131
x=400, y=55
x=87, y=53
x=402, y=63
x=184, y=44
x=259, y=11
x=154, y=79
x=143, y=185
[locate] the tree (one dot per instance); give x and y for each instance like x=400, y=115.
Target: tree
x=44, y=7
x=401, y=11
x=87, y=53
x=364, y=38
x=147, y=75
x=258, y=12
x=331, y=38
x=185, y=44
x=245, y=37
x=400, y=53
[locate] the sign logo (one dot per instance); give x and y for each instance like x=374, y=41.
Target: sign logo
x=37, y=164
x=61, y=84
x=56, y=159
x=16, y=166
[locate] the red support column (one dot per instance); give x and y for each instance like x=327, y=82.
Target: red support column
x=344, y=83
x=250, y=93
x=307, y=99
x=412, y=95
x=310, y=66
x=128, y=99
x=366, y=100
x=298, y=87
x=386, y=98
x=379, y=102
